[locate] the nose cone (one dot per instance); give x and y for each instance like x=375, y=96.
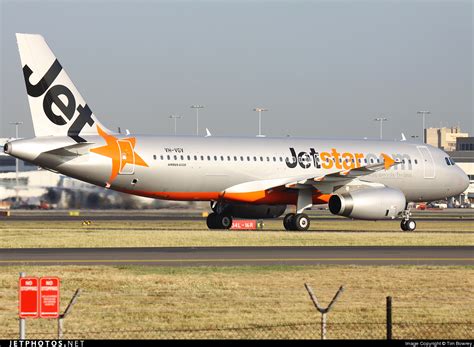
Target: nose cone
x=462, y=181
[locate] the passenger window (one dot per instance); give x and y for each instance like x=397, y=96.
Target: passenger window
x=154, y=156
x=416, y=161
x=241, y=158
x=202, y=157
x=182, y=157
x=248, y=158
x=215, y=157
x=195, y=157
x=228, y=158
x=274, y=159
x=168, y=157
x=235, y=158
x=175, y=157
x=161, y=157
x=208, y=157
x=281, y=159
x=261, y=158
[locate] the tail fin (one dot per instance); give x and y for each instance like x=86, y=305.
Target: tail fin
x=56, y=106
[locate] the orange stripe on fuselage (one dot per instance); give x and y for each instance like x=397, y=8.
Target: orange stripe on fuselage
x=273, y=197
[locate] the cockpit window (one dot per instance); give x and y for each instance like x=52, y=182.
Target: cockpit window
x=452, y=161
x=447, y=160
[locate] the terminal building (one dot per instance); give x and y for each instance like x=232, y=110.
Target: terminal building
x=463, y=156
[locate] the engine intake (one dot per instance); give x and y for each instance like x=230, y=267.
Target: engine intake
x=369, y=203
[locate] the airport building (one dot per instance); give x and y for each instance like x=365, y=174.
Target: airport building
x=444, y=138
x=463, y=155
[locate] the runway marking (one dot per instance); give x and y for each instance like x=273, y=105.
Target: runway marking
x=225, y=260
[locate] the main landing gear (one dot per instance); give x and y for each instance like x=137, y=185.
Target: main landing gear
x=300, y=221
x=218, y=221
x=296, y=222
x=407, y=224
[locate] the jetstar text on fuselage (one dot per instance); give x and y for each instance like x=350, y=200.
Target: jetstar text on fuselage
x=342, y=161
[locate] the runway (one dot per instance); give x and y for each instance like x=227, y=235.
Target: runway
x=228, y=256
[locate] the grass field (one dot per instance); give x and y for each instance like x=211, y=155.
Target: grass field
x=258, y=302
x=136, y=233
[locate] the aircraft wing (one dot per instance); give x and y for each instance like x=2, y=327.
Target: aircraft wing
x=324, y=184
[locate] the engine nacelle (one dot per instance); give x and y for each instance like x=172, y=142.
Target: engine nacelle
x=252, y=211
x=369, y=203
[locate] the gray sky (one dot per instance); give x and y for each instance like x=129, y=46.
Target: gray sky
x=323, y=69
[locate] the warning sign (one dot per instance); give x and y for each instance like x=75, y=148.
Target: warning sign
x=49, y=297
x=28, y=297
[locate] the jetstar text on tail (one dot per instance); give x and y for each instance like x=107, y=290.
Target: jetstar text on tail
x=56, y=95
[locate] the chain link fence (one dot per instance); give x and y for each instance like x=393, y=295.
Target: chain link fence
x=303, y=330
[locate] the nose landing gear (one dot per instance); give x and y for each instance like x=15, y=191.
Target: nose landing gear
x=407, y=224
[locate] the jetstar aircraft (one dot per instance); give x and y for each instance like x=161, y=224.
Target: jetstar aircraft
x=241, y=177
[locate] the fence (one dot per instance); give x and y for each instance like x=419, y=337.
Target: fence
x=214, y=308
x=303, y=330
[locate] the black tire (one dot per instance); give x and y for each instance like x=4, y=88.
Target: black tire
x=410, y=225
x=301, y=222
x=403, y=225
x=288, y=221
x=211, y=221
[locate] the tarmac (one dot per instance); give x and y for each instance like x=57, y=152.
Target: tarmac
x=229, y=256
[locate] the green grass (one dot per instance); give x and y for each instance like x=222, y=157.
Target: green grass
x=178, y=233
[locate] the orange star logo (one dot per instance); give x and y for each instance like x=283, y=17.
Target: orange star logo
x=121, y=151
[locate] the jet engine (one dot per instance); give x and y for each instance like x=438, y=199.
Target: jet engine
x=369, y=203
x=241, y=210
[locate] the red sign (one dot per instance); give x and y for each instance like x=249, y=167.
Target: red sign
x=49, y=297
x=244, y=224
x=28, y=297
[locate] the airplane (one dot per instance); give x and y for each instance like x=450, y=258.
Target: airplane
x=242, y=177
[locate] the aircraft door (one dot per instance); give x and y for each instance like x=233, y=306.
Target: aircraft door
x=127, y=157
x=428, y=163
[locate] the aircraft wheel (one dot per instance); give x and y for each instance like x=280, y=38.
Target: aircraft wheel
x=225, y=221
x=403, y=225
x=301, y=222
x=288, y=221
x=211, y=221
x=410, y=225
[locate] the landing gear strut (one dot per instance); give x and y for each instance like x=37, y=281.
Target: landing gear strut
x=407, y=224
x=218, y=221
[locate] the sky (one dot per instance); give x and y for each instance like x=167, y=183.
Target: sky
x=321, y=68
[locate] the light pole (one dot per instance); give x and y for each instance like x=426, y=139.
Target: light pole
x=197, y=107
x=260, y=110
x=16, y=124
x=424, y=113
x=381, y=120
x=175, y=117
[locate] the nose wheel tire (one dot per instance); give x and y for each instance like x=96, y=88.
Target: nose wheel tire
x=408, y=225
x=218, y=221
x=296, y=222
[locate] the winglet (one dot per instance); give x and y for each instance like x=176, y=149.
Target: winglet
x=208, y=133
x=387, y=161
